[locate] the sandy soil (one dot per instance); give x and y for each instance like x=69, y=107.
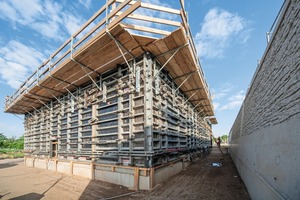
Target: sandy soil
x=201, y=180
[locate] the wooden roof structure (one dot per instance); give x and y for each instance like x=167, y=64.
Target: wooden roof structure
x=110, y=42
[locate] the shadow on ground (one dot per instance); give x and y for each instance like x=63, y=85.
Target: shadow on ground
x=30, y=196
x=11, y=163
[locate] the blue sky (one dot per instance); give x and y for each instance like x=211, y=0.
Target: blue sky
x=230, y=37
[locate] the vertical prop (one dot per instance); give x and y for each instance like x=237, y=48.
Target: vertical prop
x=72, y=104
x=104, y=91
x=137, y=79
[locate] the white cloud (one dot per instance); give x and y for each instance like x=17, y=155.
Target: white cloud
x=17, y=61
x=86, y=3
x=29, y=10
x=222, y=91
x=48, y=18
x=8, y=13
x=72, y=23
x=48, y=29
x=20, y=12
x=234, y=101
x=219, y=28
x=216, y=105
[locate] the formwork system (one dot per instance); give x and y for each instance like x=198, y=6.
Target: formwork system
x=119, y=93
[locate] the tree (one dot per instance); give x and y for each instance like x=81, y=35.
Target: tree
x=224, y=138
x=3, y=138
x=12, y=142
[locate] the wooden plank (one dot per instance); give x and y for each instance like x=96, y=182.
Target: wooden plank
x=136, y=178
x=153, y=19
x=179, y=38
x=63, y=69
x=48, y=82
x=111, y=50
x=142, y=40
x=153, y=49
x=110, y=55
x=172, y=66
x=70, y=68
x=98, y=41
x=106, y=66
x=152, y=178
x=155, y=7
x=112, y=24
x=146, y=29
x=111, y=14
x=180, y=60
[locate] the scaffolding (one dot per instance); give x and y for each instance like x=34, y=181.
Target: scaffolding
x=119, y=93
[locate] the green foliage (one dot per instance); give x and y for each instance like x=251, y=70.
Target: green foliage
x=224, y=138
x=11, y=143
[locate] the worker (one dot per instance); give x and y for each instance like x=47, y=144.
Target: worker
x=219, y=142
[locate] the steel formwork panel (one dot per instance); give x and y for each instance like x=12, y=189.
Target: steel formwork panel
x=110, y=125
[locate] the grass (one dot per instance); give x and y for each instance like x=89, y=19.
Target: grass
x=11, y=153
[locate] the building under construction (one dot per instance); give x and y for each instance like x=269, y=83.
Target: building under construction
x=123, y=100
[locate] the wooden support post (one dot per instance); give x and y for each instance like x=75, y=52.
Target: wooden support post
x=71, y=167
x=56, y=165
x=113, y=169
x=92, y=171
x=136, y=178
x=152, y=178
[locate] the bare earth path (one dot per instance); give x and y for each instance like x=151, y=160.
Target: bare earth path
x=199, y=181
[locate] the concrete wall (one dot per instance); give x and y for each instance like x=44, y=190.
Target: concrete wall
x=165, y=172
x=40, y=163
x=83, y=170
x=51, y=165
x=63, y=167
x=125, y=178
x=131, y=177
x=265, y=138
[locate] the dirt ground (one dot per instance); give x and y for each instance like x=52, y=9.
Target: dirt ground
x=201, y=180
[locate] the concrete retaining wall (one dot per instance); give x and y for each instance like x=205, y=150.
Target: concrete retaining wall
x=265, y=138
x=125, y=178
x=131, y=177
x=40, y=163
x=83, y=170
x=63, y=167
x=51, y=165
x=165, y=172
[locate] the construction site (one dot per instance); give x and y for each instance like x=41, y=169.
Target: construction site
x=124, y=104
x=117, y=101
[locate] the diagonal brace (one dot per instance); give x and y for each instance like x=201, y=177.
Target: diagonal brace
x=71, y=94
x=191, y=96
x=83, y=68
x=182, y=83
x=157, y=73
x=119, y=45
